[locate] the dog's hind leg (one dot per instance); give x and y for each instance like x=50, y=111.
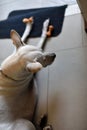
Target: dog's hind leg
x=29, y=23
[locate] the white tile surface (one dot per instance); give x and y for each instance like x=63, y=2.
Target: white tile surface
x=84, y=34
x=71, y=36
x=6, y=6
x=67, y=104
x=58, y=2
x=6, y=48
x=72, y=9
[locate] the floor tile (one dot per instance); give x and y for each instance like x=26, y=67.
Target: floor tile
x=1, y=61
x=6, y=48
x=70, y=37
x=84, y=34
x=6, y=6
x=67, y=96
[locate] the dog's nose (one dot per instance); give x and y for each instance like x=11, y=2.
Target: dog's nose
x=46, y=59
x=53, y=55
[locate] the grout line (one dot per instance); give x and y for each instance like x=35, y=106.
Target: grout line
x=68, y=49
x=48, y=91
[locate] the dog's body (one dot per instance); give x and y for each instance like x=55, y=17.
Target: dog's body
x=17, y=88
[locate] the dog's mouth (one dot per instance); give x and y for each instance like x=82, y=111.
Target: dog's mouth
x=46, y=59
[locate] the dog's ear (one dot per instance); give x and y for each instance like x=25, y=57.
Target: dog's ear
x=34, y=67
x=16, y=38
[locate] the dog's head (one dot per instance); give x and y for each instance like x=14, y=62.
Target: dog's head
x=26, y=59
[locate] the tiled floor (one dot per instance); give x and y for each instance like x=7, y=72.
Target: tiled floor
x=63, y=85
x=67, y=104
x=66, y=79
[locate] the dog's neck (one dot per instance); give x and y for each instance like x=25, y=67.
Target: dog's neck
x=11, y=91
x=6, y=76
x=9, y=85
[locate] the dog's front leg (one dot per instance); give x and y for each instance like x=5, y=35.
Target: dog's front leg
x=29, y=23
x=46, y=32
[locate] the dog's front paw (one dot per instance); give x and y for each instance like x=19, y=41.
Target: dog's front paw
x=28, y=20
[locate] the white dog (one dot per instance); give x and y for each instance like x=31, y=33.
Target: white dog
x=17, y=89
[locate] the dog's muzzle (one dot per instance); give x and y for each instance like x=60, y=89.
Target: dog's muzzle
x=46, y=59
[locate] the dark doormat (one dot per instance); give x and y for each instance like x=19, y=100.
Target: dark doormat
x=14, y=21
